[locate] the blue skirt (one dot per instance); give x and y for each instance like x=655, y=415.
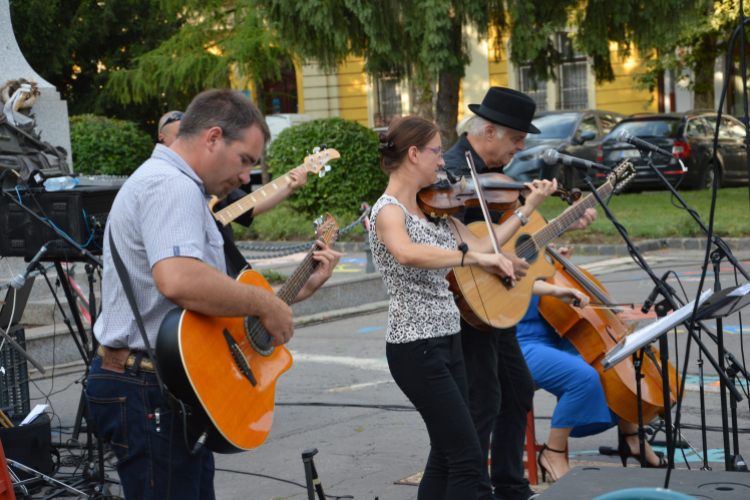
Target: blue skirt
x=558, y=368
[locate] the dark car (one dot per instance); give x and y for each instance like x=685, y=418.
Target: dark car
x=576, y=133
x=689, y=137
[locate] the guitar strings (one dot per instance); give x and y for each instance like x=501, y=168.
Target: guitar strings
x=528, y=248
x=307, y=264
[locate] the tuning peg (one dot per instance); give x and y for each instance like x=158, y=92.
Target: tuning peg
x=328, y=168
x=317, y=222
x=322, y=173
x=316, y=150
x=324, y=146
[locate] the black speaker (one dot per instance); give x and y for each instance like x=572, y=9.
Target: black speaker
x=587, y=482
x=30, y=445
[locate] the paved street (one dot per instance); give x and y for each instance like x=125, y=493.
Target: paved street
x=365, y=448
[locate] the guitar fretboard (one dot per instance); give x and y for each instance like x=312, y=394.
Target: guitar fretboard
x=558, y=226
x=297, y=280
x=239, y=207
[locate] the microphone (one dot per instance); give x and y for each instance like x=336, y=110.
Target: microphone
x=20, y=280
x=624, y=136
x=651, y=298
x=551, y=157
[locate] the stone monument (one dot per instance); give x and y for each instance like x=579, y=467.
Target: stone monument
x=51, y=113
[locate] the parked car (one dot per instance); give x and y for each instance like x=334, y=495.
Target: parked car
x=689, y=137
x=572, y=132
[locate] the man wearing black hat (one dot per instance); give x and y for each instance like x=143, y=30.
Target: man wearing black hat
x=501, y=388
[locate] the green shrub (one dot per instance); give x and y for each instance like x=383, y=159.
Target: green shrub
x=108, y=145
x=354, y=178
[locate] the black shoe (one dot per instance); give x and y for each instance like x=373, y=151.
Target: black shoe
x=623, y=448
x=543, y=468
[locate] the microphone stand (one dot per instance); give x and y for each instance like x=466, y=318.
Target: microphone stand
x=663, y=340
x=731, y=462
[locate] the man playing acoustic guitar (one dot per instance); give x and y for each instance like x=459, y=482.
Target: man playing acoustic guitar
x=501, y=388
x=173, y=252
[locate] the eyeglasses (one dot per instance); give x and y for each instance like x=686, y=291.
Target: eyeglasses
x=174, y=118
x=438, y=151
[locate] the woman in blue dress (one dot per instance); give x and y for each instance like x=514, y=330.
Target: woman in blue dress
x=582, y=410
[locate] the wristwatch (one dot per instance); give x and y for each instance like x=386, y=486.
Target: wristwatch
x=524, y=220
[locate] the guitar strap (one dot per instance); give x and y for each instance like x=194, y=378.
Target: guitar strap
x=236, y=262
x=125, y=280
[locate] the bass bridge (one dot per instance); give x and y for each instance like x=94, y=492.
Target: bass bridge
x=239, y=358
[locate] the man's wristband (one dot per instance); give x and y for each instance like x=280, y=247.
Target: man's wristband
x=524, y=220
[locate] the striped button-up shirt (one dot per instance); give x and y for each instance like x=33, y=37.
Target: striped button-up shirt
x=160, y=212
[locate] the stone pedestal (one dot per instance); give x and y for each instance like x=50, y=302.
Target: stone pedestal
x=51, y=113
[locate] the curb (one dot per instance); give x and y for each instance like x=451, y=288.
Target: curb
x=661, y=244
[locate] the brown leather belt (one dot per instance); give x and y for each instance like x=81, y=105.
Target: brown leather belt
x=146, y=365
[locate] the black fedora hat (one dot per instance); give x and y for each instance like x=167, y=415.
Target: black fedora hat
x=509, y=108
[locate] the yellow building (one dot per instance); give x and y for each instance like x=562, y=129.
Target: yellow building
x=349, y=93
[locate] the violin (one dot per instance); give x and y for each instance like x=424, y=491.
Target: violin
x=450, y=195
x=594, y=332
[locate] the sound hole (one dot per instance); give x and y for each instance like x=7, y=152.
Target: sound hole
x=258, y=336
x=526, y=249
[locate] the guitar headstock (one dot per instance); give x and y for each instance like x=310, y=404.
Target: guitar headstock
x=622, y=176
x=317, y=162
x=326, y=229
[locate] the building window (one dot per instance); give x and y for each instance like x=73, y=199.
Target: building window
x=533, y=88
x=572, y=76
x=388, y=96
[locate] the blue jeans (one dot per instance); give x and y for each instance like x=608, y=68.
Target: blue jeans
x=501, y=394
x=432, y=375
x=153, y=460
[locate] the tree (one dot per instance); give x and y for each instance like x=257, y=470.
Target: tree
x=219, y=41
x=692, y=53
x=77, y=44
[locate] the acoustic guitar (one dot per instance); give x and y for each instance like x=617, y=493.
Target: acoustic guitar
x=225, y=369
x=483, y=299
x=317, y=163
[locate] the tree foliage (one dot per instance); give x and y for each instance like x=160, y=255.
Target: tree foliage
x=354, y=178
x=77, y=44
x=219, y=40
x=691, y=53
x=427, y=38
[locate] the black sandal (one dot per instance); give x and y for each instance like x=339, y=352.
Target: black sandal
x=625, y=452
x=543, y=468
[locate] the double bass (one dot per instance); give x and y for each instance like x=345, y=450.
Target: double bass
x=594, y=332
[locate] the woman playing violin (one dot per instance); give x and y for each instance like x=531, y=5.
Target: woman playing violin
x=423, y=344
x=582, y=408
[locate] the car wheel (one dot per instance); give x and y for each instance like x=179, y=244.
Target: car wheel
x=706, y=180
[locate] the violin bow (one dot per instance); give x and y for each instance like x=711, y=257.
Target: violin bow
x=486, y=211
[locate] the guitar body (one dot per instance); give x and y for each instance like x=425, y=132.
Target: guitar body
x=200, y=367
x=484, y=300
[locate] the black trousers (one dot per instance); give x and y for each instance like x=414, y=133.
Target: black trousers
x=432, y=375
x=501, y=393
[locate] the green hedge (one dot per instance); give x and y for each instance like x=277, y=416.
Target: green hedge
x=108, y=145
x=354, y=178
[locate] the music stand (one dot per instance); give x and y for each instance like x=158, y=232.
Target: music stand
x=641, y=338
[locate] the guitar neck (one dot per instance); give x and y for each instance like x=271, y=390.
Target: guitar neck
x=241, y=206
x=297, y=280
x=558, y=226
